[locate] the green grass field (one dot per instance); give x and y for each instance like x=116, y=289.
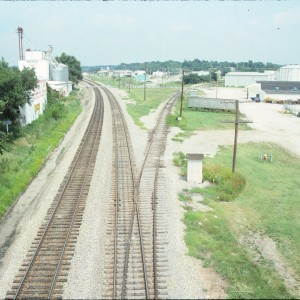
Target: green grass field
x=28, y=153
x=268, y=206
x=154, y=97
x=193, y=120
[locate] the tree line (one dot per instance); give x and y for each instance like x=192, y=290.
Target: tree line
x=174, y=67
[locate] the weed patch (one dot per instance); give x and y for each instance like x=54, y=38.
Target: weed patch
x=28, y=153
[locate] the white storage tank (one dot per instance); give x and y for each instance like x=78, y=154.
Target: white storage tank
x=60, y=73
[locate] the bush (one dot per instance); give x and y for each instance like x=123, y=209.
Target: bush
x=55, y=110
x=228, y=185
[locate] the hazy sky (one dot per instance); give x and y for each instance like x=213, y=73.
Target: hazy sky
x=111, y=32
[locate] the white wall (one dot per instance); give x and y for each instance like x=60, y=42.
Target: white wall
x=194, y=171
x=288, y=73
x=38, y=101
x=253, y=90
x=243, y=79
x=64, y=88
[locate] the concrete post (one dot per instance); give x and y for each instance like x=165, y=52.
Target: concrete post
x=194, y=168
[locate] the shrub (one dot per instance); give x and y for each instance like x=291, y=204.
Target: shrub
x=228, y=185
x=55, y=110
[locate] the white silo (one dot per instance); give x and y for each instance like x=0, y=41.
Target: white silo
x=59, y=72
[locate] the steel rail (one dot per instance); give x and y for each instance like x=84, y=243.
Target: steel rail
x=154, y=196
x=77, y=204
x=135, y=210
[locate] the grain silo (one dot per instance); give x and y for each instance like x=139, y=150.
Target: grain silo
x=59, y=72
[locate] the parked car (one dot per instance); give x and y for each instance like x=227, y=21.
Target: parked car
x=255, y=99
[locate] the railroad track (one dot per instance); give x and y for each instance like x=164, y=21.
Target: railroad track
x=46, y=266
x=151, y=197
x=136, y=266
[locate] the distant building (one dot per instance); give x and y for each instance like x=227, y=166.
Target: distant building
x=48, y=71
x=288, y=73
x=242, y=79
x=158, y=74
x=276, y=90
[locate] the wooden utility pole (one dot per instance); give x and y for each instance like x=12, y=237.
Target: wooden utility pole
x=236, y=129
x=130, y=81
x=180, y=114
x=145, y=83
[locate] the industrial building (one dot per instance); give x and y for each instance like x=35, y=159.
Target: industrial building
x=243, y=79
x=48, y=71
x=288, y=73
x=276, y=90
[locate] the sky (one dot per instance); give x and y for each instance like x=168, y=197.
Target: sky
x=114, y=32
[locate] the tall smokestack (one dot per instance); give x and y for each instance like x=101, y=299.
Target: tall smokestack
x=20, y=33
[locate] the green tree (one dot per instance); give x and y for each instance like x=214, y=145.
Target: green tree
x=214, y=76
x=75, y=74
x=15, y=90
x=194, y=78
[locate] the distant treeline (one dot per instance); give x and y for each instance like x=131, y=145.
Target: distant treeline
x=189, y=65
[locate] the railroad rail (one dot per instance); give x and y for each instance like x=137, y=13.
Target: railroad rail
x=137, y=264
x=45, y=268
x=152, y=205
x=126, y=268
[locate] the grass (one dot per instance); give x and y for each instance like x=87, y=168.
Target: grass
x=180, y=160
x=29, y=152
x=268, y=205
x=153, y=97
x=200, y=119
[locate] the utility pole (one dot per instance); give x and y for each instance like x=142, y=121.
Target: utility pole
x=210, y=77
x=129, y=82
x=119, y=79
x=145, y=83
x=236, y=128
x=217, y=86
x=180, y=114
